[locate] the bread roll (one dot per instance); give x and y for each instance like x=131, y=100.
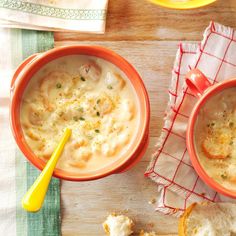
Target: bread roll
x=208, y=219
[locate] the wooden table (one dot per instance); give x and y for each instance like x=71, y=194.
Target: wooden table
x=147, y=36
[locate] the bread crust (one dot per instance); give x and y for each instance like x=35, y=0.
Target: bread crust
x=182, y=227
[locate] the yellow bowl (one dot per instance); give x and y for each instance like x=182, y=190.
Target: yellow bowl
x=182, y=4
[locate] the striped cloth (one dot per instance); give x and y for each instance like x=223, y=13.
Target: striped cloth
x=54, y=15
x=171, y=167
x=16, y=174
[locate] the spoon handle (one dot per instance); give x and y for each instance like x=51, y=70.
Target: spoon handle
x=33, y=199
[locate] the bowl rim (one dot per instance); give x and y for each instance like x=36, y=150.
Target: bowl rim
x=22, y=71
x=182, y=5
x=211, y=91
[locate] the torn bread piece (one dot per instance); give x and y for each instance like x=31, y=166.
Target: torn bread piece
x=118, y=225
x=209, y=219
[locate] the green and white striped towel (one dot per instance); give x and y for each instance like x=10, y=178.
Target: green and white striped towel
x=16, y=174
x=54, y=15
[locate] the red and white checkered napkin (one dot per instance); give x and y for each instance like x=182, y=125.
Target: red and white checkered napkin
x=170, y=167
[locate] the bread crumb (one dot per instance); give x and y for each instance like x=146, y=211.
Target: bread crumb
x=126, y=210
x=150, y=225
x=152, y=201
x=142, y=233
x=203, y=194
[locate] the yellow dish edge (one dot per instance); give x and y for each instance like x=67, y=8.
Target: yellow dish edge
x=183, y=6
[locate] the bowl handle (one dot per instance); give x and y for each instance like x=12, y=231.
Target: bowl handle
x=21, y=67
x=197, y=82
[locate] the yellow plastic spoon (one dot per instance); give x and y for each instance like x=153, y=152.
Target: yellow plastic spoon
x=33, y=199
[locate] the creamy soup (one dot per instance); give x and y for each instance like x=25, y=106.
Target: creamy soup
x=215, y=137
x=93, y=98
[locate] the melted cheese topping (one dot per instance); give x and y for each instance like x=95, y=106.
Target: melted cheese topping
x=93, y=98
x=215, y=137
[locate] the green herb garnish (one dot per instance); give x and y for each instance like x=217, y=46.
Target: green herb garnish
x=58, y=85
x=97, y=130
x=82, y=78
x=81, y=118
x=98, y=113
x=81, y=109
x=75, y=118
x=98, y=101
x=224, y=176
x=90, y=137
x=109, y=87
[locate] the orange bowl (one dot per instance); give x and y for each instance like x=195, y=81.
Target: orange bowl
x=32, y=64
x=201, y=88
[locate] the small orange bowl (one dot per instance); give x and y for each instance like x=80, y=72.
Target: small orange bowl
x=32, y=64
x=202, y=88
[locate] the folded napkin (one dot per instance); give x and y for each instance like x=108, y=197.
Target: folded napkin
x=170, y=167
x=16, y=174
x=54, y=15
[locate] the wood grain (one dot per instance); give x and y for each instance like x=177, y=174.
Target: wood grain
x=142, y=20
x=147, y=36
x=86, y=205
